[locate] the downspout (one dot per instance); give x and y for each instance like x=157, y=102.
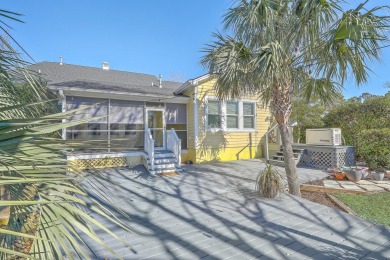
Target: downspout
x=195, y=118
x=63, y=109
x=108, y=125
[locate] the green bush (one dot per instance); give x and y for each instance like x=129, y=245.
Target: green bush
x=373, y=146
x=353, y=117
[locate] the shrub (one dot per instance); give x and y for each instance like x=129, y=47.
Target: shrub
x=353, y=117
x=269, y=182
x=373, y=146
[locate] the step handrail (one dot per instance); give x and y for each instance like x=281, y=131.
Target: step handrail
x=149, y=147
x=266, y=141
x=174, y=145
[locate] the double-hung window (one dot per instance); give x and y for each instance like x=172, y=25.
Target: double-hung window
x=248, y=115
x=232, y=115
x=214, y=115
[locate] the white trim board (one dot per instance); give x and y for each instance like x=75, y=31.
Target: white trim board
x=103, y=155
x=109, y=155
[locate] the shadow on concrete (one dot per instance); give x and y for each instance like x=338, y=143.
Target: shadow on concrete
x=210, y=211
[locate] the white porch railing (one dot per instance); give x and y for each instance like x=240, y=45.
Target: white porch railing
x=267, y=134
x=174, y=145
x=149, y=148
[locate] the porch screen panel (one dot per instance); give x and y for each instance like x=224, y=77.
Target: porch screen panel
x=93, y=133
x=126, y=112
x=94, y=107
x=176, y=117
x=176, y=113
x=126, y=125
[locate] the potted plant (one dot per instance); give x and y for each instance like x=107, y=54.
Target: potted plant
x=339, y=175
x=379, y=174
x=364, y=171
x=353, y=173
x=269, y=182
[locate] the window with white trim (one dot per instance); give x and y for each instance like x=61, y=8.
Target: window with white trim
x=248, y=115
x=214, y=114
x=232, y=115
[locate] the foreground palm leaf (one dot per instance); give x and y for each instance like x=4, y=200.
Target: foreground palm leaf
x=48, y=199
x=281, y=49
x=46, y=203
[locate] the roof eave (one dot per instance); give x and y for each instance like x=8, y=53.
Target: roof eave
x=192, y=83
x=117, y=93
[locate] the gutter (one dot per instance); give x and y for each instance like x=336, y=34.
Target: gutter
x=119, y=94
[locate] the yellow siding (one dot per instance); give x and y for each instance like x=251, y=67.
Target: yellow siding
x=184, y=157
x=223, y=146
x=190, y=121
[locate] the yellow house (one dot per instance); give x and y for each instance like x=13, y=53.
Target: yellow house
x=133, y=118
x=222, y=130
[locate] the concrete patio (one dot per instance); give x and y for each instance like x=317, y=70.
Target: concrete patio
x=210, y=211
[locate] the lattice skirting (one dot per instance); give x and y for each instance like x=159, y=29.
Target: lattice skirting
x=99, y=163
x=323, y=157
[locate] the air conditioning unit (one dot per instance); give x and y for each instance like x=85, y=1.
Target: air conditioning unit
x=323, y=136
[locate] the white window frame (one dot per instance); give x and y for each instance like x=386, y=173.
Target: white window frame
x=254, y=114
x=208, y=129
x=224, y=116
x=224, y=103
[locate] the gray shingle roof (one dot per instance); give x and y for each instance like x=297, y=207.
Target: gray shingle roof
x=69, y=76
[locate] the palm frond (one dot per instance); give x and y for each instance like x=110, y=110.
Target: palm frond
x=50, y=201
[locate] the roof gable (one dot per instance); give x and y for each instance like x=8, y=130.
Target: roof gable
x=190, y=84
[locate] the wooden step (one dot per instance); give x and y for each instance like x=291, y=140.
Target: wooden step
x=164, y=155
x=295, y=150
x=163, y=166
x=160, y=171
x=296, y=155
x=277, y=162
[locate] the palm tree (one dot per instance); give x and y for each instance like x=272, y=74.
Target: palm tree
x=279, y=49
x=47, y=204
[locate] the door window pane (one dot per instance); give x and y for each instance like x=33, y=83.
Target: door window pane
x=155, y=119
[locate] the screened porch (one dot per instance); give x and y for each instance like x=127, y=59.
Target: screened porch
x=120, y=125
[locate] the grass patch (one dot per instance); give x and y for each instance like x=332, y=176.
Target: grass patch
x=375, y=207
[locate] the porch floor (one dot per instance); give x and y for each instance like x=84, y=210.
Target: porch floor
x=210, y=211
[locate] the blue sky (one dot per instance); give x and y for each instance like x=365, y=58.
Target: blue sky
x=150, y=37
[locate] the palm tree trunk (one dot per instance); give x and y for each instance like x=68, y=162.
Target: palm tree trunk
x=290, y=166
x=281, y=106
